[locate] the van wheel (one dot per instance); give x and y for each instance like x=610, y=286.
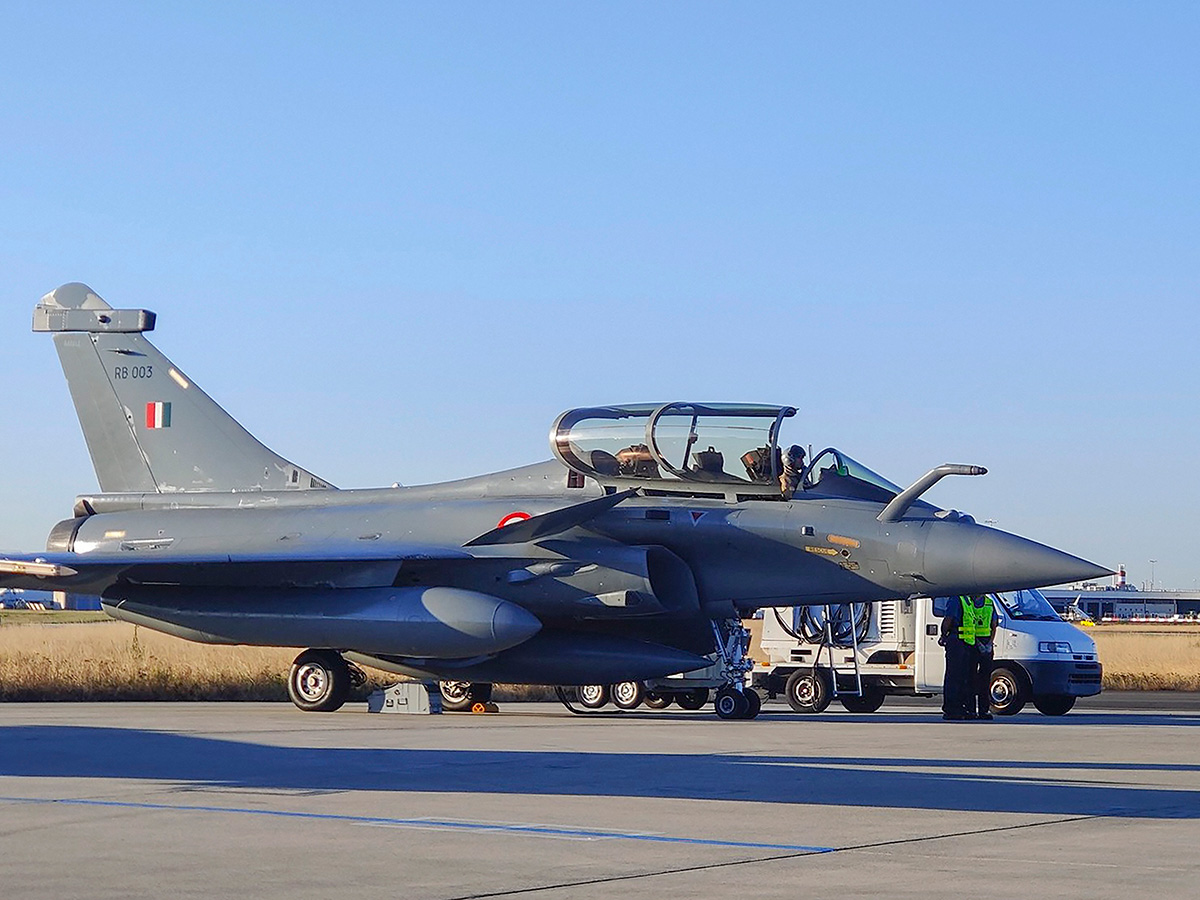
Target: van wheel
x=695, y=698
x=1010, y=691
x=1054, y=704
x=869, y=702
x=809, y=690
x=628, y=694
x=319, y=681
x=593, y=696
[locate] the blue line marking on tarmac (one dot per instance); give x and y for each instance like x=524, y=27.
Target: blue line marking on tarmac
x=534, y=830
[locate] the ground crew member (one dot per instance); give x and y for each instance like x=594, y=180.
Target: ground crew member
x=968, y=632
x=955, y=692
x=978, y=612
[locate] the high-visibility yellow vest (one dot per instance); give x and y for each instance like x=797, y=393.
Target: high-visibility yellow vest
x=976, y=622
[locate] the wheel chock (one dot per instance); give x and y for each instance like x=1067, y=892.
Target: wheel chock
x=480, y=706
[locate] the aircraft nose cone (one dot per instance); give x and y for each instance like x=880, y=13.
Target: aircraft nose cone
x=961, y=558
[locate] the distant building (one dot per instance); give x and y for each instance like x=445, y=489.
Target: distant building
x=1125, y=603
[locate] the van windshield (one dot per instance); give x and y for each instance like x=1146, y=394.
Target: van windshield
x=1029, y=605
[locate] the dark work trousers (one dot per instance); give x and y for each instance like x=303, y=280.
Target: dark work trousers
x=956, y=691
x=978, y=700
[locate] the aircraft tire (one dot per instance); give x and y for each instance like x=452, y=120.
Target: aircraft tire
x=1054, y=704
x=319, y=681
x=658, y=699
x=870, y=701
x=456, y=695
x=753, y=703
x=693, y=699
x=731, y=704
x=1010, y=691
x=809, y=690
x=628, y=694
x=593, y=696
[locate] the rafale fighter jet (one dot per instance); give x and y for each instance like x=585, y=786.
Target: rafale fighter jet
x=631, y=555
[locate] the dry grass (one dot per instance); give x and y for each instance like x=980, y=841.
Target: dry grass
x=1149, y=658
x=109, y=660
x=118, y=661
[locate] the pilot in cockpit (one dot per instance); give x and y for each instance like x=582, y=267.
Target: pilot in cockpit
x=789, y=464
x=792, y=468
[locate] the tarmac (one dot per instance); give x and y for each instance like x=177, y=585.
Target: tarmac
x=260, y=800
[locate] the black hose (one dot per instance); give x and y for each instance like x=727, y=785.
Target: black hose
x=847, y=622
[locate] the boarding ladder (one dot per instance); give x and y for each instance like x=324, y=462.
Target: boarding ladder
x=829, y=644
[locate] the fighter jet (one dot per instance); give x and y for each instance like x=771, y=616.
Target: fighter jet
x=632, y=554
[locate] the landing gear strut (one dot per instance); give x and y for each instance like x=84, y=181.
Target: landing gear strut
x=734, y=700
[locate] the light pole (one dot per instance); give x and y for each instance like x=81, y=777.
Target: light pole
x=1152, y=562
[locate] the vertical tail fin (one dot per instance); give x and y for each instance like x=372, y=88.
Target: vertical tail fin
x=147, y=426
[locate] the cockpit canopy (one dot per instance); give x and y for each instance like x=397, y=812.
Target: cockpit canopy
x=724, y=445
x=727, y=449
x=833, y=473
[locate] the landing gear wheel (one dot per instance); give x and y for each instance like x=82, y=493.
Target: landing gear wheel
x=869, y=702
x=1054, y=704
x=809, y=690
x=696, y=698
x=456, y=695
x=731, y=704
x=1009, y=690
x=628, y=694
x=753, y=703
x=658, y=699
x=319, y=681
x=593, y=696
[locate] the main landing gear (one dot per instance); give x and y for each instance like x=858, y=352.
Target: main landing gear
x=321, y=680
x=734, y=700
x=464, y=696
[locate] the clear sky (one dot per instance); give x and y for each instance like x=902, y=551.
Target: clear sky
x=396, y=240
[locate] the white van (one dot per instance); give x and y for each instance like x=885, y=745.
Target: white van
x=865, y=653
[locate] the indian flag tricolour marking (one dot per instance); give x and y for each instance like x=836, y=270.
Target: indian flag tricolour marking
x=158, y=415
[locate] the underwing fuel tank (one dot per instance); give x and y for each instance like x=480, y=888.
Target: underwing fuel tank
x=435, y=622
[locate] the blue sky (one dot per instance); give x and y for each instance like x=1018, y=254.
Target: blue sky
x=396, y=240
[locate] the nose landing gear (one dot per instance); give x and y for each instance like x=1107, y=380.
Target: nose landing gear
x=735, y=700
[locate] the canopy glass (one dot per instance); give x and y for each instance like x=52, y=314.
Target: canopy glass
x=726, y=444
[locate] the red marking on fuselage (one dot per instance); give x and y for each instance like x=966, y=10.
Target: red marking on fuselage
x=513, y=517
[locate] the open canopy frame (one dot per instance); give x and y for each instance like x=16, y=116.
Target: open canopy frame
x=684, y=447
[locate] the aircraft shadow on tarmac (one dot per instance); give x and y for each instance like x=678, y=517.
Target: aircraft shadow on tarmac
x=1017, y=786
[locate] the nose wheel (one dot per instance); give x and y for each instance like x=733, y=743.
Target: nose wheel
x=732, y=703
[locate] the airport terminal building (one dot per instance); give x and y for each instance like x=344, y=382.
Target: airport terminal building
x=1124, y=603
